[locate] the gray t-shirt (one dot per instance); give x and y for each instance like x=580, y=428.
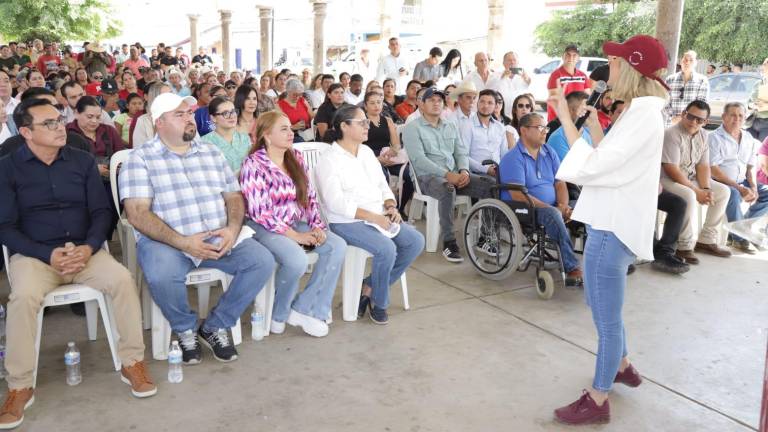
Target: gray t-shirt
x=684, y=150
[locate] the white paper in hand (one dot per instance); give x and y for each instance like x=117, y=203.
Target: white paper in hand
x=394, y=229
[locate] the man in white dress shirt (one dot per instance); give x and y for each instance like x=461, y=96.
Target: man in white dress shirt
x=485, y=137
x=354, y=94
x=393, y=65
x=511, y=82
x=482, y=73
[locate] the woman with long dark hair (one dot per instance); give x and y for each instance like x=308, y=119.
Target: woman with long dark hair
x=282, y=208
x=362, y=209
x=246, y=104
x=334, y=99
x=619, y=174
x=450, y=67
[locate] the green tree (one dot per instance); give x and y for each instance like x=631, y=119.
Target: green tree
x=57, y=20
x=589, y=25
x=726, y=30
x=719, y=30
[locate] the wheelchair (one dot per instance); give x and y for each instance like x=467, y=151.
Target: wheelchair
x=502, y=237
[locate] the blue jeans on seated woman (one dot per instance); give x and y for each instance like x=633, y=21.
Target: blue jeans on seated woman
x=606, y=260
x=554, y=226
x=166, y=268
x=390, y=256
x=292, y=262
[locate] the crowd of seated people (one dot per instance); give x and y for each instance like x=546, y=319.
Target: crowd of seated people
x=212, y=180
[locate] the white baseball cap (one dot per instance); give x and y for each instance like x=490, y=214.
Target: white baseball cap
x=168, y=102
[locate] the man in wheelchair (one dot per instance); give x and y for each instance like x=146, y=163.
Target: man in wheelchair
x=533, y=164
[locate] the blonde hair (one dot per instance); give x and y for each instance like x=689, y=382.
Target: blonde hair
x=632, y=84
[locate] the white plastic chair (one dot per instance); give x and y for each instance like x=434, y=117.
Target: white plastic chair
x=420, y=200
x=354, y=272
x=76, y=293
x=202, y=278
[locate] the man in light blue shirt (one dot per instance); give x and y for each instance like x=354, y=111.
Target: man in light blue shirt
x=577, y=101
x=486, y=138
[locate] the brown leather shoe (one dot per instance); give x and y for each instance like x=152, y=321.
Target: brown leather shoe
x=712, y=249
x=743, y=246
x=687, y=256
x=137, y=376
x=584, y=411
x=12, y=412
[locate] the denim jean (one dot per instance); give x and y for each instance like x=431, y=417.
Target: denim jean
x=390, y=256
x=165, y=269
x=291, y=259
x=445, y=193
x=555, y=228
x=757, y=209
x=606, y=260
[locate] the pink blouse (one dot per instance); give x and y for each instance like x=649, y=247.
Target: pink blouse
x=270, y=194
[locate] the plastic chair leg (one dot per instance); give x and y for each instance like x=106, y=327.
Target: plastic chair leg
x=161, y=334
x=92, y=318
x=146, y=305
x=37, y=345
x=433, y=226
x=404, y=286
x=417, y=206
x=352, y=283
x=109, y=330
x=203, y=296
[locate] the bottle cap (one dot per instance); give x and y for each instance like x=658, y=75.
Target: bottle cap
x=70, y=344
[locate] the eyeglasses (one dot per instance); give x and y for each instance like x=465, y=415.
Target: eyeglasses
x=541, y=128
x=697, y=119
x=521, y=105
x=365, y=123
x=227, y=114
x=230, y=87
x=51, y=124
x=98, y=77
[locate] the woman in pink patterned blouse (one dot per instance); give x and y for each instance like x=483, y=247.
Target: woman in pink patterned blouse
x=282, y=208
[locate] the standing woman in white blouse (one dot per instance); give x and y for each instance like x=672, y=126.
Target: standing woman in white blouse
x=362, y=209
x=620, y=179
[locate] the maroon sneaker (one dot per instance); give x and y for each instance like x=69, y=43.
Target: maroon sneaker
x=584, y=411
x=630, y=377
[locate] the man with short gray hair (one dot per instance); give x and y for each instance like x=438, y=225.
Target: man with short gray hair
x=732, y=154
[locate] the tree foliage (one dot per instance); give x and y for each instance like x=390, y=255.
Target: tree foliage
x=719, y=30
x=589, y=25
x=57, y=20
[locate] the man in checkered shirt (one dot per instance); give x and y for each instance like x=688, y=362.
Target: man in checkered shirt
x=185, y=204
x=685, y=86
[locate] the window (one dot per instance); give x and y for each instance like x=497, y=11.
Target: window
x=721, y=83
x=550, y=67
x=594, y=64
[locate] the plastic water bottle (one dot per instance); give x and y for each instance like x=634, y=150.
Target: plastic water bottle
x=72, y=361
x=257, y=324
x=2, y=342
x=175, y=374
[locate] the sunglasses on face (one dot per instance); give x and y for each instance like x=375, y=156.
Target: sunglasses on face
x=522, y=105
x=98, y=77
x=697, y=119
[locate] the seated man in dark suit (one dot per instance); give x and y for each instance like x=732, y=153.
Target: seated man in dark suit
x=534, y=164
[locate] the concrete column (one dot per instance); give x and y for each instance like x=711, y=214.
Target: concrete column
x=265, y=31
x=669, y=20
x=193, y=35
x=226, y=39
x=318, y=57
x=390, y=19
x=495, y=28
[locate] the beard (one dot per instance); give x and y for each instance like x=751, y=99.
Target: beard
x=189, y=134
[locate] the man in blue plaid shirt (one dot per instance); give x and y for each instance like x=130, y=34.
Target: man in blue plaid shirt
x=185, y=204
x=685, y=87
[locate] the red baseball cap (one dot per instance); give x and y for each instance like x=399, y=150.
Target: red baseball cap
x=644, y=53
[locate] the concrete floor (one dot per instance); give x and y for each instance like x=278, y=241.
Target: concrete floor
x=471, y=355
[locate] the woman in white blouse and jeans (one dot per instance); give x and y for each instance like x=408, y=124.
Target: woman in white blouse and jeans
x=359, y=205
x=620, y=179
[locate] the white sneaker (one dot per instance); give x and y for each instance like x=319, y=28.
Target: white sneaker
x=311, y=326
x=276, y=327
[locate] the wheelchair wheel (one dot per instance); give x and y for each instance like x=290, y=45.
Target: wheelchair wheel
x=493, y=239
x=545, y=285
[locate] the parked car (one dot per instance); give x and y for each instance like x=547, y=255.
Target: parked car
x=729, y=87
x=540, y=75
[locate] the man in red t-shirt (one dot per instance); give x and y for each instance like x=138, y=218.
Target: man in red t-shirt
x=570, y=78
x=50, y=61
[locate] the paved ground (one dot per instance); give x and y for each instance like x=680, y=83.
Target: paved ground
x=471, y=355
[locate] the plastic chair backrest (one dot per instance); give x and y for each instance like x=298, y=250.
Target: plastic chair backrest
x=115, y=161
x=311, y=152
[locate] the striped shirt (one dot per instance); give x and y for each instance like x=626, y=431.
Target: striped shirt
x=186, y=190
x=270, y=194
x=681, y=93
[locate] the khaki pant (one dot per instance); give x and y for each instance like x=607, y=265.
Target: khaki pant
x=715, y=213
x=32, y=279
